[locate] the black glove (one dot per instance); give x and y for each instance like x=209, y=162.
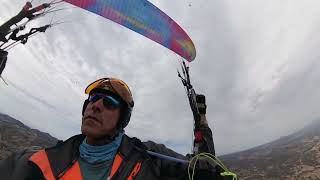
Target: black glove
x=201, y=103
x=200, y=109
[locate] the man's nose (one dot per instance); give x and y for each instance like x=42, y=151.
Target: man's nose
x=97, y=105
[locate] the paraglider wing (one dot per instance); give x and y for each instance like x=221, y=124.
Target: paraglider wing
x=144, y=18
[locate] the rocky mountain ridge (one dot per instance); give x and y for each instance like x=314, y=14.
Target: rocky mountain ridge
x=292, y=157
x=15, y=136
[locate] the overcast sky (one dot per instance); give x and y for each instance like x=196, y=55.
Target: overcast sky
x=257, y=63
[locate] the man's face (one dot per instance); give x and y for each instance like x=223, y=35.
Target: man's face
x=99, y=121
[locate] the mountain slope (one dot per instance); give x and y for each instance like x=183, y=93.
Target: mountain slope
x=296, y=156
x=15, y=136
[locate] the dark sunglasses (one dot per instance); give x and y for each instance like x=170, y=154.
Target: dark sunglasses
x=108, y=101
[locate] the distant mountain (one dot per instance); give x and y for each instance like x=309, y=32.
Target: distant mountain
x=293, y=157
x=15, y=136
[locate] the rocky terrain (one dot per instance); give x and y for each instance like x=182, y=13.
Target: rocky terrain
x=15, y=136
x=293, y=157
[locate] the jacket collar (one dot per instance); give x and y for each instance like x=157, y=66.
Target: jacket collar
x=65, y=154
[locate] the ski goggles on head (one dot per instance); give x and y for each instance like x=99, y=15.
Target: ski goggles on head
x=113, y=85
x=109, y=102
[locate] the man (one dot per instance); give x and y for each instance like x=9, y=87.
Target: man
x=3, y=60
x=103, y=150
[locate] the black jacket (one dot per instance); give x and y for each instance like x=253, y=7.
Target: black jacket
x=64, y=154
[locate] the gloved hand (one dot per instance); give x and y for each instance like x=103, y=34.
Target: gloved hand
x=201, y=107
x=201, y=104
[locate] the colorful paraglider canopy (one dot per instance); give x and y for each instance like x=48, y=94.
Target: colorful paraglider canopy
x=144, y=18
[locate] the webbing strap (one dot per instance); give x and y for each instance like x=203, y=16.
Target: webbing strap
x=135, y=171
x=116, y=164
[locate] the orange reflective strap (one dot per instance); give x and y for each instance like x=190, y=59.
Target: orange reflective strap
x=40, y=158
x=73, y=173
x=135, y=171
x=116, y=164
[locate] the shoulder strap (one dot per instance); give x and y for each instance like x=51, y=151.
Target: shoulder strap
x=132, y=161
x=40, y=158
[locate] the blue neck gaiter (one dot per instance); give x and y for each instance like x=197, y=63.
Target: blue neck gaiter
x=99, y=154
